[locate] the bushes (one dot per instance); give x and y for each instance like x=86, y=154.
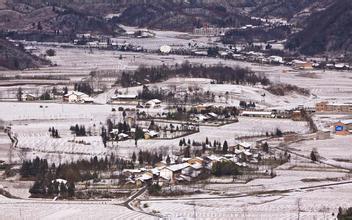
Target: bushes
x=154, y=189
x=344, y=214
x=284, y=89
x=50, y=52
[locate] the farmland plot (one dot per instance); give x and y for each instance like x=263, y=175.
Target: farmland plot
x=44, y=209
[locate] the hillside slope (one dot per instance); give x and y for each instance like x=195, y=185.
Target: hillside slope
x=51, y=23
x=327, y=31
x=181, y=17
x=15, y=58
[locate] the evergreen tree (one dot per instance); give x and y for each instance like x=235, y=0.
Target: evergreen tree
x=225, y=147
x=70, y=189
x=140, y=158
x=134, y=157
x=19, y=94
x=168, y=160
x=187, y=152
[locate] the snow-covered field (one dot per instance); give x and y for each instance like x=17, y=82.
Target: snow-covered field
x=334, y=149
x=52, y=111
x=13, y=209
x=277, y=198
x=313, y=204
x=238, y=93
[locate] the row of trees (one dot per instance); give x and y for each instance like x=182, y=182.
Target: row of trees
x=147, y=157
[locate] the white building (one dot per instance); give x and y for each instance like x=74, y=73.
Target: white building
x=154, y=103
x=170, y=172
x=77, y=97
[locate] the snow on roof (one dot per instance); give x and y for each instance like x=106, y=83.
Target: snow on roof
x=245, y=144
x=132, y=170
x=124, y=97
x=206, y=105
x=201, y=117
x=59, y=181
x=153, y=133
x=28, y=94
x=213, y=158
x=155, y=171
x=145, y=176
x=238, y=151
x=123, y=135
x=247, y=153
x=340, y=104
x=185, y=159
x=88, y=99
x=340, y=65
x=178, y=167
x=77, y=93
x=255, y=113
x=212, y=114
x=298, y=62
x=114, y=131
x=347, y=122
x=153, y=101
x=197, y=166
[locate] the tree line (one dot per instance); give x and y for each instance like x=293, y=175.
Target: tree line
x=220, y=73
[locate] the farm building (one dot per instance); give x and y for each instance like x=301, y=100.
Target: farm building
x=192, y=171
x=203, y=107
x=151, y=134
x=200, y=118
x=123, y=98
x=243, y=146
x=77, y=97
x=302, y=65
x=297, y=116
x=173, y=171
x=29, y=97
x=276, y=59
x=154, y=103
x=334, y=107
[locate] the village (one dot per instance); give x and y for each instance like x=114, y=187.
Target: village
x=153, y=129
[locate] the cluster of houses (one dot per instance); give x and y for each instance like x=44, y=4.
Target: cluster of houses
x=70, y=97
x=147, y=134
x=189, y=169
